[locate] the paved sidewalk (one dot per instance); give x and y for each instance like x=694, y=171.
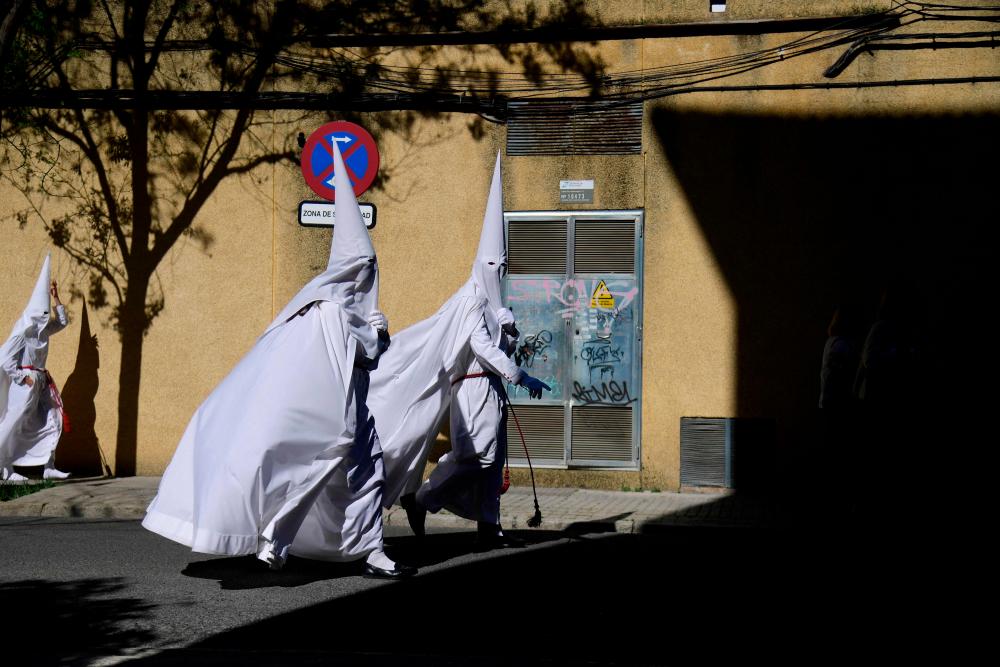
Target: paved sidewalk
x=562, y=508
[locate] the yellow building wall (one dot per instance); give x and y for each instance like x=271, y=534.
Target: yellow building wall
x=430, y=207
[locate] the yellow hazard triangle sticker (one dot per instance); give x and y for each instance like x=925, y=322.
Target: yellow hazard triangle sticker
x=601, y=297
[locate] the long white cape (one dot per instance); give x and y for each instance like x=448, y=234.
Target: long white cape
x=265, y=442
x=411, y=387
x=284, y=442
x=31, y=420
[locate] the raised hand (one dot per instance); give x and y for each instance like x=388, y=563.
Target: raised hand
x=378, y=320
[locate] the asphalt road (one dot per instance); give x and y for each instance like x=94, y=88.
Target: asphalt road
x=83, y=592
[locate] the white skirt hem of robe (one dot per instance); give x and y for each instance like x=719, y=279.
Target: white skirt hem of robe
x=202, y=541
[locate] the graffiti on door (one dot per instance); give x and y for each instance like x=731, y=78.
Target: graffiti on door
x=603, y=344
x=532, y=347
x=591, y=319
x=564, y=297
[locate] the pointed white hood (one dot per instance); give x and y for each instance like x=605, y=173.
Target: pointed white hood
x=490, y=265
x=36, y=315
x=411, y=388
x=351, y=276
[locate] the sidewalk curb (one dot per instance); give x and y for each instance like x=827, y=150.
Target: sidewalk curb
x=563, y=509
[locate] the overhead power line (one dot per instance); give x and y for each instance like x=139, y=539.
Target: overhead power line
x=383, y=87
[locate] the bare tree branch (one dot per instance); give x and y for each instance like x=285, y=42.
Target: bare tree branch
x=89, y=147
x=249, y=166
x=185, y=218
x=203, y=163
x=161, y=36
x=262, y=65
x=81, y=256
x=117, y=84
x=111, y=20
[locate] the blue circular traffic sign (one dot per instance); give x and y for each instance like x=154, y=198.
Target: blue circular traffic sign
x=357, y=147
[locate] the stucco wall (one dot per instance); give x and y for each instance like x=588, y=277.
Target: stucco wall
x=738, y=281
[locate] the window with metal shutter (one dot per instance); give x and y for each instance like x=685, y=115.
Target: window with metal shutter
x=575, y=289
x=573, y=127
x=604, y=246
x=536, y=246
x=602, y=434
x=727, y=452
x=705, y=452
x=544, y=431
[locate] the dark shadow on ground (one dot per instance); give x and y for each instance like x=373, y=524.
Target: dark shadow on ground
x=604, y=525
x=736, y=509
x=441, y=547
x=678, y=594
x=63, y=622
x=246, y=572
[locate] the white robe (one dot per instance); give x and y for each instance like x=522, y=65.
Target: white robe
x=283, y=452
x=31, y=421
x=468, y=478
x=412, y=387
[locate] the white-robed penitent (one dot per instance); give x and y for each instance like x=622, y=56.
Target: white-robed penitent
x=456, y=358
x=283, y=457
x=31, y=416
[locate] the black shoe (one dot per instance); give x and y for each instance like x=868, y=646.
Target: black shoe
x=399, y=572
x=512, y=542
x=492, y=537
x=416, y=514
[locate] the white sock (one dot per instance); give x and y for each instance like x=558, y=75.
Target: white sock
x=378, y=559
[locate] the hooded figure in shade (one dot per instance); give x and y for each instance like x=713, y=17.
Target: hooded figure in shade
x=31, y=411
x=459, y=357
x=282, y=457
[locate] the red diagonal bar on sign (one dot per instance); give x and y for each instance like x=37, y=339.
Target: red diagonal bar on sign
x=329, y=170
x=344, y=155
x=326, y=172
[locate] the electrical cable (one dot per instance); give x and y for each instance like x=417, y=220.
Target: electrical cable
x=416, y=85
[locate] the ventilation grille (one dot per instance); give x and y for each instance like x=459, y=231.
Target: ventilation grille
x=602, y=434
x=704, y=451
x=544, y=429
x=558, y=127
x=604, y=246
x=536, y=246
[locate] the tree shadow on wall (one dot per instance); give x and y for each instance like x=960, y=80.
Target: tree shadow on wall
x=804, y=213
x=79, y=449
x=170, y=160
x=56, y=622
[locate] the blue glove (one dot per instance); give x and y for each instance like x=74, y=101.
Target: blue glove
x=533, y=385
